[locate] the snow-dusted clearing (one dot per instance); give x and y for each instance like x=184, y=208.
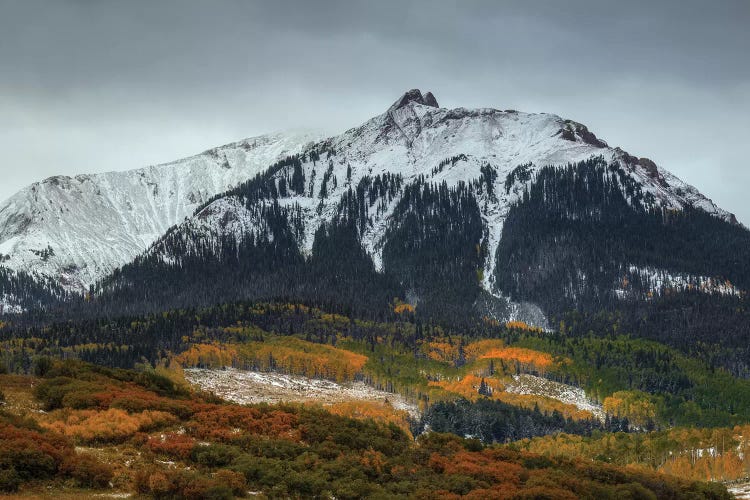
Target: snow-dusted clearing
x=538, y=386
x=740, y=491
x=659, y=281
x=246, y=387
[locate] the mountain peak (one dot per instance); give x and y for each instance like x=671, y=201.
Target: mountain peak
x=415, y=95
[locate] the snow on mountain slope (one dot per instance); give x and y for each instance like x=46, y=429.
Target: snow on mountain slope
x=415, y=138
x=78, y=229
x=9, y=305
x=660, y=281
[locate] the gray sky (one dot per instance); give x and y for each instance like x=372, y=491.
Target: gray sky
x=90, y=85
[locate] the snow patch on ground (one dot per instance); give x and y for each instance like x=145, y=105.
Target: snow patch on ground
x=539, y=386
x=740, y=491
x=247, y=387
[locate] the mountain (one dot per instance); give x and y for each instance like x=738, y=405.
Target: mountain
x=514, y=215
x=76, y=230
x=505, y=277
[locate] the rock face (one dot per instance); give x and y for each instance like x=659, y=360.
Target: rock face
x=415, y=96
x=429, y=100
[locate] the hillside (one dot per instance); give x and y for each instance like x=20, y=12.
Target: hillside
x=76, y=428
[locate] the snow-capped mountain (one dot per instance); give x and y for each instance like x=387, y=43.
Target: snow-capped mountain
x=76, y=230
x=415, y=138
x=497, y=154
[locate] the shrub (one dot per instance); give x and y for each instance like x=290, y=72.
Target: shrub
x=60, y=392
x=215, y=455
x=9, y=480
x=159, y=484
x=113, y=425
x=172, y=444
x=234, y=480
x=188, y=485
x=87, y=471
x=29, y=453
x=160, y=384
x=42, y=366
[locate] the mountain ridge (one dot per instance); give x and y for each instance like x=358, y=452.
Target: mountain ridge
x=361, y=179
x=77, y=229
x=413, y=141
x=401, y=115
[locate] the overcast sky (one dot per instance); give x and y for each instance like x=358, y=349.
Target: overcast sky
x=90, y=85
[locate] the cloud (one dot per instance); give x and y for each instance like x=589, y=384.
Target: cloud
x=103, y=85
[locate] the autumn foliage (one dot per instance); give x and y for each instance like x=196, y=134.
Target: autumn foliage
x=286, y=355
x=107, y=426
x=544, y=404
x=467, y=386
x=31, y=453
x=495, y=349
x=193, y=447
x=520, y=325
x=378, y=411
x=403, y=307
x=527, y=357
x=172, y=444
x=634, y=405
x=697, y=454
x=208, y=356
x=298, y=357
